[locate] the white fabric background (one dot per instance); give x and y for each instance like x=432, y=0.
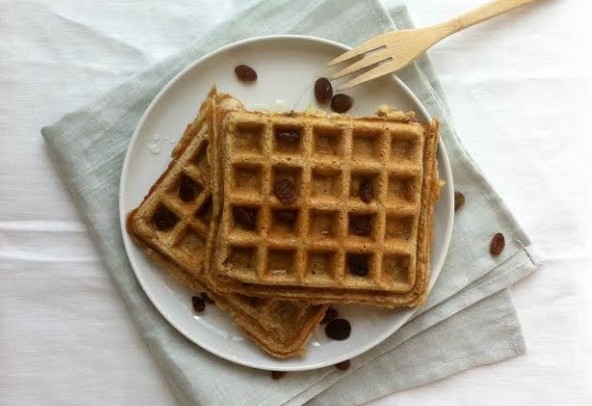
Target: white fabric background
x=520, y=91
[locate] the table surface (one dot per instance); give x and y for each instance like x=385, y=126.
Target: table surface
x=520, y=91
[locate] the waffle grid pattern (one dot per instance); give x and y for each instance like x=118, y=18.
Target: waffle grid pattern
x=314, y=241
x=186, y=239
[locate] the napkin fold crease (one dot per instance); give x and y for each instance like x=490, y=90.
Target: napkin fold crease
x=469, y=318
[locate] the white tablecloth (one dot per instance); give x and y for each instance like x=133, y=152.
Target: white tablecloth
x=520, y=91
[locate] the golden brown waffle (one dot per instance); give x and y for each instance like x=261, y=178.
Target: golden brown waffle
x=316, y=253
x=172, y=226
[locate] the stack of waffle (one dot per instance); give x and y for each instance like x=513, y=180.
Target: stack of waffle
x=277, y=215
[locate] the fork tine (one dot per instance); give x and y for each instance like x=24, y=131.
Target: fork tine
x=378, y=71
x=367, y=46
x=363, y=63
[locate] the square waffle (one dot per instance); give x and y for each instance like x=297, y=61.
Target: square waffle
x=336, y=242
x=172, y=225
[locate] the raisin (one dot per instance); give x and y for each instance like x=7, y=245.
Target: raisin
x=358, y=265
x=245, y=73
x=206, y=298
x=361, y=225
x=285, y=191
x=187, y=188
x=498, y=242
x=245, y=216
x=291, y=136
x=341, y=103
x=366, y=191
x=343, y=365
x=338, y=329
x=330, y=314
x=275, y=375
x=198, y=304
x=164, y=219
x=459, y=200
x=287, y=216
x=323, y=90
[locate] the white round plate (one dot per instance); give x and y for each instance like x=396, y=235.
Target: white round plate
x=287, y=67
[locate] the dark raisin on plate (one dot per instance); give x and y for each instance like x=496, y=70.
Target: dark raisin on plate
x=358, y=264
x=343, y=365
x=285, y=191
x=459, y=200
x=366, y=191
x=330, y=314
x=198, y=304
x=164, y=219
x=341, y=103
x=245, y=216
x=245, y=73
x=498, y=242
x=275, y=375
x=323, y=90
x=338, y=329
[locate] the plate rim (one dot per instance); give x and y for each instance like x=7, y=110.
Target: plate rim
x=127, y=240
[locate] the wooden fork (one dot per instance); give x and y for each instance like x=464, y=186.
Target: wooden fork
x=394, y=50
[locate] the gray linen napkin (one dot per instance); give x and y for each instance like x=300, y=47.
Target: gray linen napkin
x=469, y=318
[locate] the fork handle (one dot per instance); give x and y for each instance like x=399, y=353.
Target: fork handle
x=479, y=14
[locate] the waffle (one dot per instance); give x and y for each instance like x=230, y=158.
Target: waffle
x=172, y=225
x=334, y=247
